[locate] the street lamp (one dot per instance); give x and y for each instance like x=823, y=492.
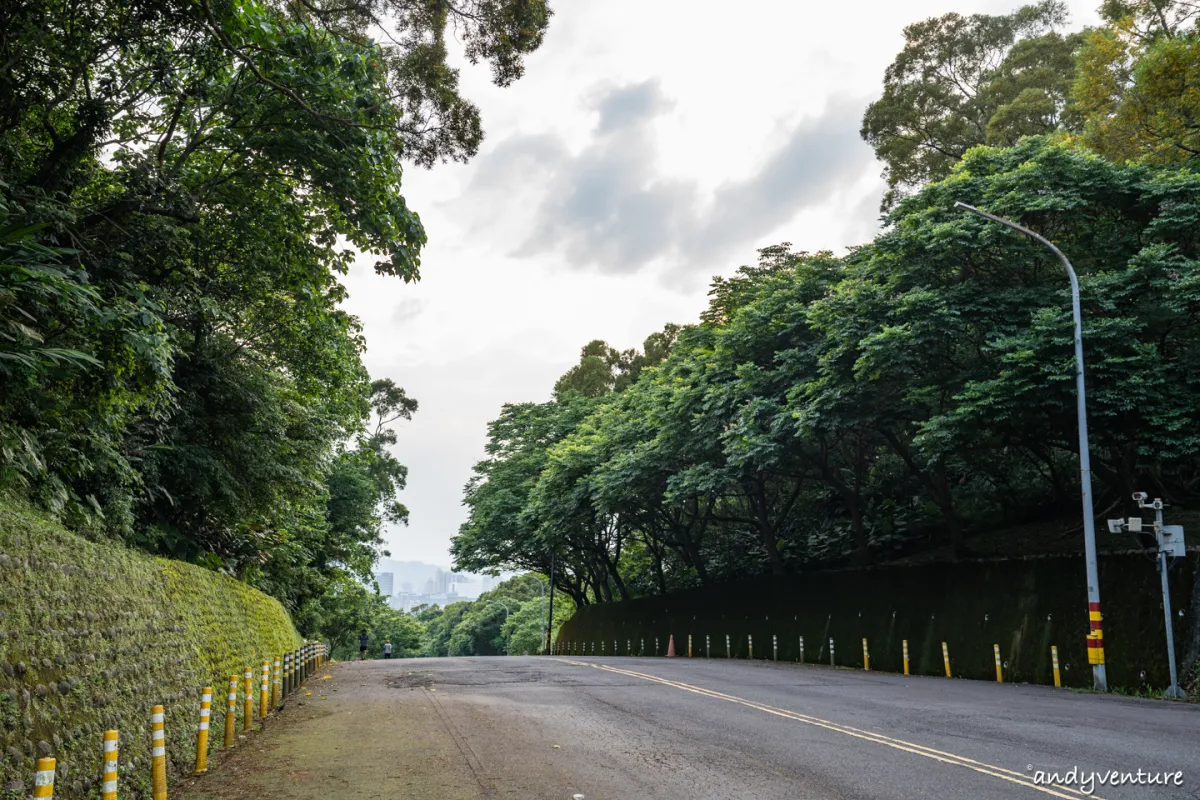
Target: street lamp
x=1095, y=639
x=543, y=583
x=507, y=649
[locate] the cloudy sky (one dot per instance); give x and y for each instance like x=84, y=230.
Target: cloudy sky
x=651, y=145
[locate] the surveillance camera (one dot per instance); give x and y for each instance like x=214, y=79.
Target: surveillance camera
x=1116, y=526
x=1140, y=496
x=1157, y=505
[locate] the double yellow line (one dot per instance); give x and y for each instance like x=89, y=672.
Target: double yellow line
x=1054, y=790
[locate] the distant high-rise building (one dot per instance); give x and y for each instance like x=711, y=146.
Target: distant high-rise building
x=384, y=579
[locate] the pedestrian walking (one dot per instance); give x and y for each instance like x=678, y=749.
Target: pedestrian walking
x=387, y=649
x=362, y=646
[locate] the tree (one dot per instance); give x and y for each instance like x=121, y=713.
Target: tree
x=964, y=81
x=185, y=183
x=1136, y=88
x=911, y=394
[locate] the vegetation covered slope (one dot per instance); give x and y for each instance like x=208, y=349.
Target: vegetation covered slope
x=95, y=634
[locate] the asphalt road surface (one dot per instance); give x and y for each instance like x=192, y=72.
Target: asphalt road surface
x=632, y=728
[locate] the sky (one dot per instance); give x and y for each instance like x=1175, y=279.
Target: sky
x=651, y=145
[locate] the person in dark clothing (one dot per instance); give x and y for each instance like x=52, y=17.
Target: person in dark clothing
x=362, y=646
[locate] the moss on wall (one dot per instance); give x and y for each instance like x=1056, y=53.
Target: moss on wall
x=1023, y=605
x=93, y=635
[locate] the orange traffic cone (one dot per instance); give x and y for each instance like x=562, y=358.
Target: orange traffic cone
x=671, y=647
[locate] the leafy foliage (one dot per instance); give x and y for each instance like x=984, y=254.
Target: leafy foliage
x=184, y=185
x=964, y=81
x=1138, y=83
x=909, y=395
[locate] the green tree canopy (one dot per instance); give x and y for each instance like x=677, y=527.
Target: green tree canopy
x=962, y=81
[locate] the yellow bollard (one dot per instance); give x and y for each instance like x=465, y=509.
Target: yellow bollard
x=689, y=645
x=905, y=642
x=202, y=730
x=231, y=711
x=43, y=782
x=276, y=687
x=1054, y=662
x=158, y=755
x=999, y=668
x=264, y=691
x=946, y=659
x=750, y=643
x=249, y=692
x=866, y=656
x=108, y=785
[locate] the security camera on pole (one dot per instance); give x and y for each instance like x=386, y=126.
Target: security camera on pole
x=1170, y=545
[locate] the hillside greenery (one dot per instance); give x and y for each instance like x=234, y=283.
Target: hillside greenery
x=920, y=389
x=183, y=184
x=480, y=627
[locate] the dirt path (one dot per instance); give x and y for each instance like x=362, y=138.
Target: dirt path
x=364, y=733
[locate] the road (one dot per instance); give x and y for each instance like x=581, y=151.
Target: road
x=607, y=728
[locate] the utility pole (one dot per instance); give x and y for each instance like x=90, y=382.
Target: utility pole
x=1170, y=544
x=1095, y=638
x=550, y=622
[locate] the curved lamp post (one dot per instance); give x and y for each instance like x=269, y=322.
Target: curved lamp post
x=1095, y=637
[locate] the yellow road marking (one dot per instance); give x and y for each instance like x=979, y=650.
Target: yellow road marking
x=1055, y=790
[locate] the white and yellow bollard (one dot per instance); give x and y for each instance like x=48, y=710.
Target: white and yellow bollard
x=108, y=780
x=264, y=691
x=287, y=674
x=750, y=644
x=1054, y=663
x=707, y=646
x=905, y=644
x=832, y=661
x=247, y=719
x=866, y=656
x=946, y=659
x=202, y=730
x=231, y=711
x=689, y=645
x=43, y=781
x=277, y=685
x=728, y=649
x=801, y=649
x=616, y=652
x=999, y=666
x=158, y=755
x=774, y=647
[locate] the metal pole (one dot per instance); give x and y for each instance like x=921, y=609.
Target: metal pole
x=550, y=621
x=1096, y=637
x=542, y=583
x=1173, y=690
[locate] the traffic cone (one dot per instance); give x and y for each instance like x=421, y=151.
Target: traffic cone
x=671, y=647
